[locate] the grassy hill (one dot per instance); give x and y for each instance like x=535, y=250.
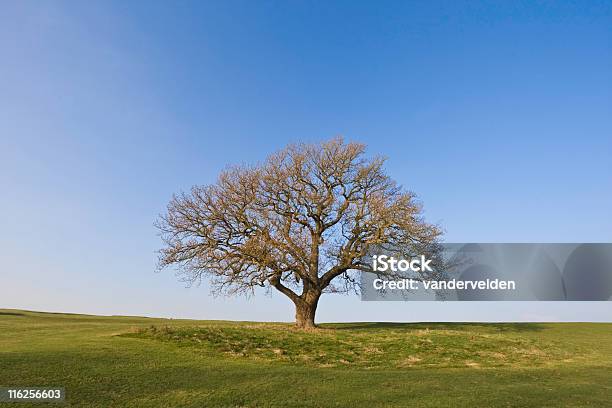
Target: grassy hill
x=141, y=362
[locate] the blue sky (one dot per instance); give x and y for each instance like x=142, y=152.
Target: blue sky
x=497, y=114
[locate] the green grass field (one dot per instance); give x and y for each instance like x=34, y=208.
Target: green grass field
x=141, y=362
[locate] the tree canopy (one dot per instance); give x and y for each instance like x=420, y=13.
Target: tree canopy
x=301, y=222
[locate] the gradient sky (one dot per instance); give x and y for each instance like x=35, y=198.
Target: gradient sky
x=497, y=114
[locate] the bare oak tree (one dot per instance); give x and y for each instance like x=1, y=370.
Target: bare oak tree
x=301, y=223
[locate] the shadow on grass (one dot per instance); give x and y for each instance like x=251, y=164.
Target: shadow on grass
x=501, y=327
x=11, y=314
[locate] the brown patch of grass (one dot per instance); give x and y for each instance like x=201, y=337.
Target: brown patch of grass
x=409, y=362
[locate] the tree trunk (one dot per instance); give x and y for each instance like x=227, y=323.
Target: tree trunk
x=305, y=310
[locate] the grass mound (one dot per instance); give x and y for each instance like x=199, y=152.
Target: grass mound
x=386, y=346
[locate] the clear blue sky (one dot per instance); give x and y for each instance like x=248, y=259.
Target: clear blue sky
x=497, y=114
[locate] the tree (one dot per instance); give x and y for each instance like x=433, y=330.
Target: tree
x=301, y=223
